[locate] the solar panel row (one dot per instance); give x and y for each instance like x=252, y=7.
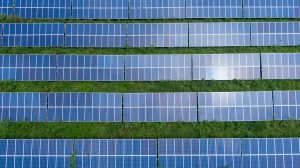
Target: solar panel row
x=150, y=153
x=143, y=9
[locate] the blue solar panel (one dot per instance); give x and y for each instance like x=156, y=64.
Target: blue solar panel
x=33, y=35
x=226, y=66
x=278, y=152
x=7, y=7
x=160, y=107
x=235, y=106
x=158, y=67
x=280, y=66
x=28, y=67
x=96, y=35
x=219, y=34
x=90, y=68
x=214, y=9
x=104, y=9
x=85, y=107
x=158, y=35
x=188, y=153
x=275, y=33
x=271, y=9
x=153, y=9
x=15, y=153
x=23, y=106
x=107, y=153
x=43, y=9
x=286, y=105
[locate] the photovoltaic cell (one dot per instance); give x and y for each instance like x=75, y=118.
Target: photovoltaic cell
x=23, y=106
x=96, y=35
x=158, y=67
x=271, y=9
x=95, y=9
x=84, y=107
x=158, y=35
x=43, y=9
x=219, y=34
x=275, y=33
x=7, y=7
x=280, y=66
x=106, y=153
x=235, y=106
x=286, y=105
x=90, y=68
x=160, y=107
x=153, y=9
x=226, y=66
x=28, y=67
x=214, y=9
x=186, y=153
x=278, y=152
x=33, y=35
x=16, y=153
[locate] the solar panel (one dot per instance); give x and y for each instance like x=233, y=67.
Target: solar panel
x=158, y=67
x=43, y=9
x=33, y=35
x=35, y=153
x=7, y=7
x=275, y=33
x=23, y=106
x=278, y=152
x=84, y=107
x=96, y=35
x=90, y=68
x=286, y=105
x=235, y=106
x=158, y=35
x=28, y=67
x=219, y=34
x=160, y=107
x=271, y=9
x=226, y=66
x=115, y=153
x=187, y=153
x=104, y=9
x=214, y=9
x=280, y=66
x=153, y=9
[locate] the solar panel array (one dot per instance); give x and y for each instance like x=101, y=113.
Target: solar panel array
x=7, y=8
x=160, y=107
x=286, y=105
x=235, y=106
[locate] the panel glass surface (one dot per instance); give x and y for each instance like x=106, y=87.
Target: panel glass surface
x=286, y=105
x=7, y=7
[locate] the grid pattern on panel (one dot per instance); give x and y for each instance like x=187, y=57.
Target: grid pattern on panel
x=235, y=106
x=7, y=7
x=286, y=105
x=160, y=107
x=95, y=9
x=280, y=66
x=275, y=152
x=158, y=35
x=226, y=66
x=33, y=35
x=271, y=9
x=43, y=9
x=23, y=106
x=187, y=153
x=116, y=153
x=28, y=67
x=90, y=68
x=219, y=34
x=214, y=9
x=96, y=35
x=35, y=153
x=275, y=33
x=153, y=9
x=84, y=107
x=157, y=67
